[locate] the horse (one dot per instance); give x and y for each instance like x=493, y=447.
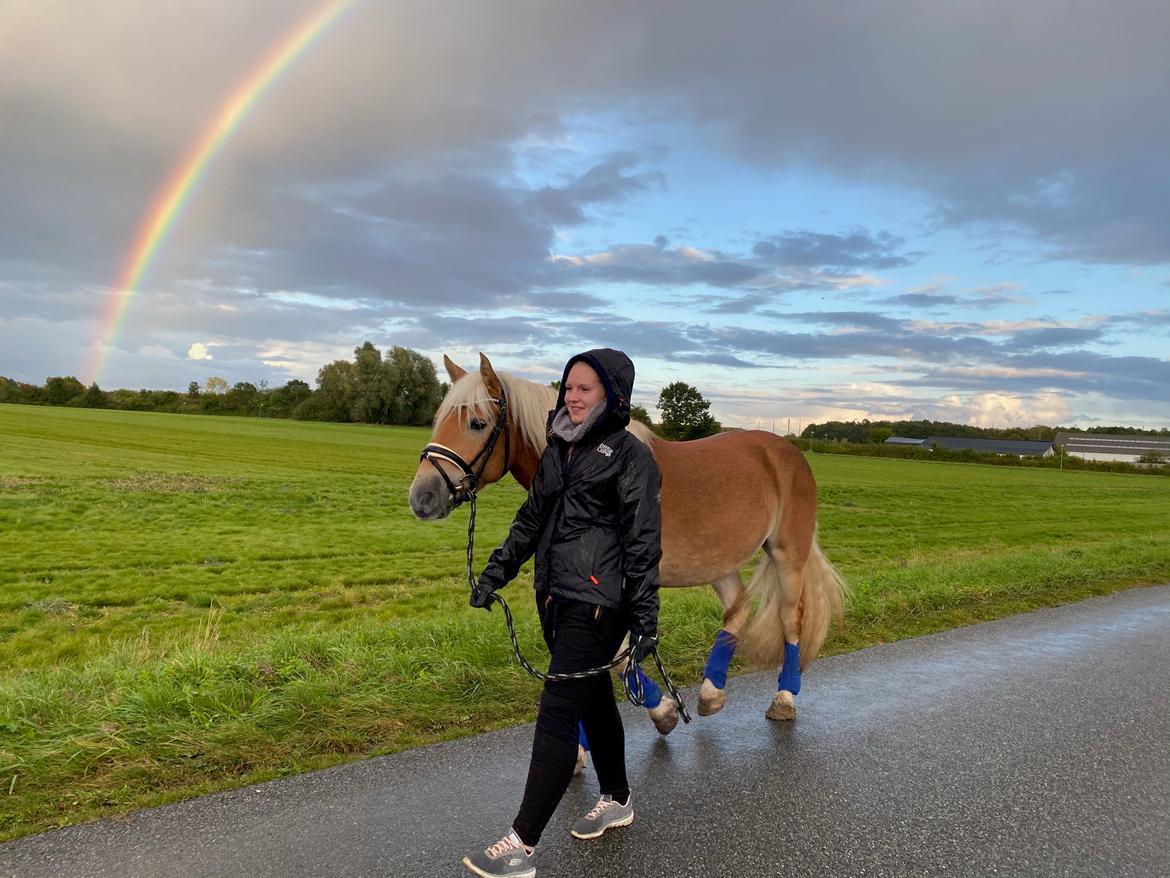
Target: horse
x=723, y=499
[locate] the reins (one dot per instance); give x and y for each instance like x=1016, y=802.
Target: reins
x=631, y=680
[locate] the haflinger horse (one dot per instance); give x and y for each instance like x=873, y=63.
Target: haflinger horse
x=723, y=499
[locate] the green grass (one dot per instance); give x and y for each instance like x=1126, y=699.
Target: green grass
x=192, y=603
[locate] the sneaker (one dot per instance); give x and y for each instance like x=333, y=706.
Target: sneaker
x=606, y=814
x=507, y=858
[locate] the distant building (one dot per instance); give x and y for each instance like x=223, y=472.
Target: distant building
x=1104, y=446
x=1020, y=447
x=904, y=440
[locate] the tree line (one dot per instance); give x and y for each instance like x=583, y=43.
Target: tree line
x=865, y=431
x=399, y=387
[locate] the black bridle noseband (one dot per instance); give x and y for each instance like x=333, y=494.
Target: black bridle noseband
x=468, y=484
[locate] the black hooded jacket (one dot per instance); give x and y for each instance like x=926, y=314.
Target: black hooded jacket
x=592, y=517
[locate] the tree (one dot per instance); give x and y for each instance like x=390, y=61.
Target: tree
x=193, y=390
x=639, y=413
x=333, y=399
x=19, y=391
x=94, y=398
x=243, y=398
x=417, y=391
x=374, y=386
x=285, y=399
x=216, y=385
x=685, y=413
x=61, y=390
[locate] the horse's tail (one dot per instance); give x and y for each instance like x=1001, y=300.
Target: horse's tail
x=821, y=599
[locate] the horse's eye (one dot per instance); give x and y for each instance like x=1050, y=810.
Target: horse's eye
x=478, y=423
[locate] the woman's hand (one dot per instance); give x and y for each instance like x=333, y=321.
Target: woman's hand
x=482, y=595
x=642, y=646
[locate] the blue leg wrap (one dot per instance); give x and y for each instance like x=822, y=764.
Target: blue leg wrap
x=650, y=690
x=790, y=672
x=720, y=658
x=581, y=739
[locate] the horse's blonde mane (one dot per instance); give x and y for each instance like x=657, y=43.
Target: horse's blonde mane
x=530, y=403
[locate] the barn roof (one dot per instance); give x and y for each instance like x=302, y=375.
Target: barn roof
x=904, y=440
x=998, y=446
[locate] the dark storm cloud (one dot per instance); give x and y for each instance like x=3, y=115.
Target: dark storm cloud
x=1039, y=117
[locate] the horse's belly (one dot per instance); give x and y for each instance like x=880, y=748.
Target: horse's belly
x=708, y=543
x=720, y=501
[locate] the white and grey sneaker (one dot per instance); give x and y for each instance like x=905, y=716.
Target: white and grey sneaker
x=507, y=858
x=606, y=814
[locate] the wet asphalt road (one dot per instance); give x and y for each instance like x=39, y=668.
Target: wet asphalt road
x=1035, y=745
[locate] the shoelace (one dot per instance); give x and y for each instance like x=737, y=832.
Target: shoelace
x=505, y=844
x=599, y=808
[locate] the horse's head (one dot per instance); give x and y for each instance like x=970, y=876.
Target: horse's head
x=471, y=444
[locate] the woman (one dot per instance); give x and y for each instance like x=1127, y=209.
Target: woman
x=592, y=519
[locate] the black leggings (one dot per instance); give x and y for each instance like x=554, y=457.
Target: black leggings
x=579, y=636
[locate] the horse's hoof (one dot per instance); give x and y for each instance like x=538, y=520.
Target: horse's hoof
x=783, y=707
x=665, y=716
x=711, y=699
x=580, y=766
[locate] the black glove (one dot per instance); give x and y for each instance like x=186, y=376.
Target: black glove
x=641, y=646
x=482, y=595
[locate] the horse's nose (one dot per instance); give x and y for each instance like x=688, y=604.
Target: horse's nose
x=426, y=503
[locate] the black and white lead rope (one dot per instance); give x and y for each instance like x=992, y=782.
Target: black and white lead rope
x=631, y=679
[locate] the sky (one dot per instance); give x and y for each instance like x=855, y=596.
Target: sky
x=808, y=211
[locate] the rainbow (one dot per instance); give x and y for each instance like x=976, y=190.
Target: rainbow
x=185, y=176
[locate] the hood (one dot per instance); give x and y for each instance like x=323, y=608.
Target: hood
x=617, y=376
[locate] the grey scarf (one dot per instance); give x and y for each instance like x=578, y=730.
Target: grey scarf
x=564, y=427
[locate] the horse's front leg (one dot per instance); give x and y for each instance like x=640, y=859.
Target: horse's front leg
x=662, y=708
x=735, y=612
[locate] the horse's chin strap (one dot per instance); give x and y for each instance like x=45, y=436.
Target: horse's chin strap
x=467, y=485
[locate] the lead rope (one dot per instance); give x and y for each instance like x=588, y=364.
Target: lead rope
x=631, y=681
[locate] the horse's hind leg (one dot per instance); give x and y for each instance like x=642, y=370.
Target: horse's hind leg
x=735, y=612
x=790, y=566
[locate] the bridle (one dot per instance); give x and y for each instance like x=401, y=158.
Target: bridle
x=467, y=485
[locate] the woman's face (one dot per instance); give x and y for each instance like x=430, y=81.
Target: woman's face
x=583, y=390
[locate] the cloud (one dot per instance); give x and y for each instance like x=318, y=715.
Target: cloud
x=659, y=265
x=199, y=351
x=604, y=183
x=850, y=251
x=1051, y=124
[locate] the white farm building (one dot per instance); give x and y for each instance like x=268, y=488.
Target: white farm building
x=1102, y=446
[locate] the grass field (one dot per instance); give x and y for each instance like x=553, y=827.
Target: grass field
x=192, y=603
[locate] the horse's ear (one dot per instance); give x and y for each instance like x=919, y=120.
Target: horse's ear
x=491, y=380
x=453, y=369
